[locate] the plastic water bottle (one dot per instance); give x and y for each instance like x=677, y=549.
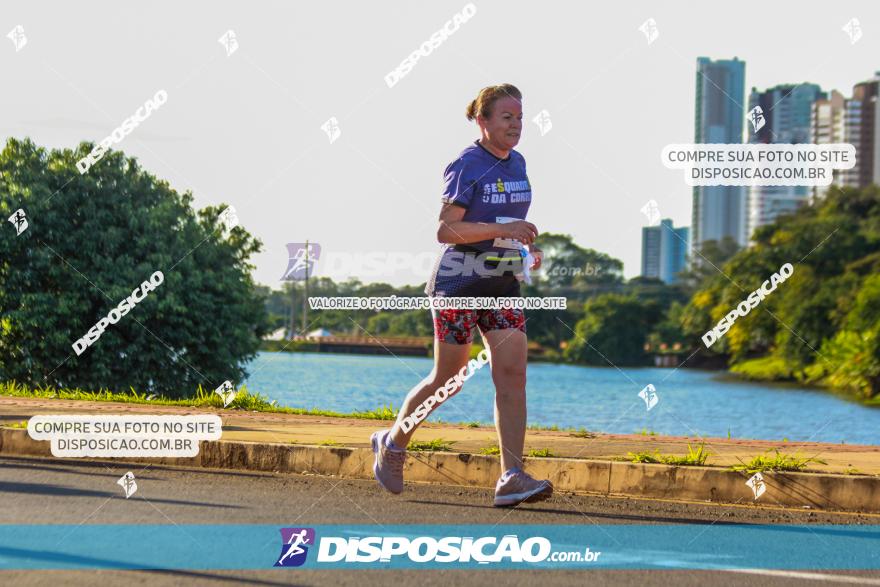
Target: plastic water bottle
x=528, y=259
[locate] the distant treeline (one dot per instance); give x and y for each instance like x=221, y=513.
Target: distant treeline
x=821, y=326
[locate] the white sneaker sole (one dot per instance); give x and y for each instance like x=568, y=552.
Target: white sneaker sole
x=538, y=494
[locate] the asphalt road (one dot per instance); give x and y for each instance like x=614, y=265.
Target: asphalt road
x=46, y=491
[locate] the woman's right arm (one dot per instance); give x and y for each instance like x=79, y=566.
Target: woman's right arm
x=454, y=230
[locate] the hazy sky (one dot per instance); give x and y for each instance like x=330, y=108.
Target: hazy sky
x=245, y=129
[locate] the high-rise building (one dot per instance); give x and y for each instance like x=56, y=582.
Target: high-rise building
x=855, y=121
x=785, y=111
x=826, y=127
x=862, y=130
x=664, y=251
x=719, y=211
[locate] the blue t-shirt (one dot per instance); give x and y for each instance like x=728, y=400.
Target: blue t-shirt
x=490, y=189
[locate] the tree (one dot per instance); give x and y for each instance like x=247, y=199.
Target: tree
x=705, y=265
x=568, y=265
x=92, y=240
x=613, y=331
x=831, y=302
x=851, y=359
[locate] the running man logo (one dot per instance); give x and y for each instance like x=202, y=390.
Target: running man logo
x=128, y=484
x=650, y=30
x=652, y=211
x=295, y=544
x=19, y=221
x=649, y=394
x=756, y=117
x=229, y=41
x=853, y=29
x=228, y=218
x=543, y=121
x=331, y=127
x=301, y=260
x=227, y=392
x=18, y=38
x=756, y=482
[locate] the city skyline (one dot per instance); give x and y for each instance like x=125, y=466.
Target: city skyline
x=246, y=128
x=782, y=114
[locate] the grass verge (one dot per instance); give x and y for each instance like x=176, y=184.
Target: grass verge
x=694, y=457
x=436, y=444
x=244, y=400
x=541, y=452
x=777, y=462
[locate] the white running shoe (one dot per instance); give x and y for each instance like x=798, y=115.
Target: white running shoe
x=520, y=487
x=388, y=467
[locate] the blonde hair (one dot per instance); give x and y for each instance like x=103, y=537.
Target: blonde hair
x=485, y=100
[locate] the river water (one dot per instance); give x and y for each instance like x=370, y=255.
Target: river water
x=691, y=402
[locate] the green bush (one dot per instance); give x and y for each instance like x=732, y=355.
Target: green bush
x=92, y=239
x=849, y=362
x=769, y=368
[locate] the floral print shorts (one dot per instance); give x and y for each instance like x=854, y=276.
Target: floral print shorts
x=457, y=326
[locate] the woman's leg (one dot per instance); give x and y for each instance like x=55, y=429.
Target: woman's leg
x=508, y=357
x=448, y=360
x=508, y=351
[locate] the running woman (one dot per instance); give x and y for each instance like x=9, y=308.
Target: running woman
x=484, y=205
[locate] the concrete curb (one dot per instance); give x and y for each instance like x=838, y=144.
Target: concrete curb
x=818, y=491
